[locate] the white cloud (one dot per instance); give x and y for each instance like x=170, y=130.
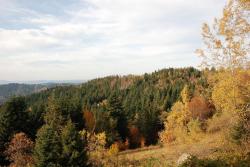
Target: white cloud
x=103, y=37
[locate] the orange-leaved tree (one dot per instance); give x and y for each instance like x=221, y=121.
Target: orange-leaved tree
x=19, y=150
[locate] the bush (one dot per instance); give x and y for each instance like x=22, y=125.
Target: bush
x=219, y=122
x=193, y=161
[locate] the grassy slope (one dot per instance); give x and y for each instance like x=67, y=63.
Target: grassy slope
x=167, y=155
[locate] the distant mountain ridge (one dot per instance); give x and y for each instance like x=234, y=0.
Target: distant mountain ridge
x=4, y=82
x=8, y=90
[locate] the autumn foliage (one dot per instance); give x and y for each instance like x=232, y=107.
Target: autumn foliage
x=134, y=137
x=200, y=108
x=19, y=150
x=89, y=120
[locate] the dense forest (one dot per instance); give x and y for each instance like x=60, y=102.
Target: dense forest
x=204, y=113
x=115, y=105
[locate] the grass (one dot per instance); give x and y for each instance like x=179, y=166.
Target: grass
x=167, y=155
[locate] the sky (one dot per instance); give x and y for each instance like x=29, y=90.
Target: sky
x=86, y=39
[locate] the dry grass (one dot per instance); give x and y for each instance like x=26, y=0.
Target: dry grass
x=167, y=155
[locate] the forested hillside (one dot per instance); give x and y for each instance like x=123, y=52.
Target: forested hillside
x=126, y=109
x=134, y=97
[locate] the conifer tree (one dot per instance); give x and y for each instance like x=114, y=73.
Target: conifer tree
x=58, y=144
x=48, y=148
x=73, y=148
x=117, y=113
x=149, y=123
x=53, y=116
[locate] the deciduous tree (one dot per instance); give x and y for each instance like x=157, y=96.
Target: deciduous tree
x=19, y=150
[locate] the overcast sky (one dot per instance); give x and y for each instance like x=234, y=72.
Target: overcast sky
x=85, y=39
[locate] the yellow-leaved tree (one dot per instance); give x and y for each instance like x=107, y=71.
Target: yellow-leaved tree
x=176, y=123
x=227, y=48
x=227, y=41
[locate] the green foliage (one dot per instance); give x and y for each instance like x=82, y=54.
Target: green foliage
x=71, y=108
x=58, y=142
x=53, y=115
x=149, y=124
x=35, y=115
x=73, y=148
x=48, y=147
x=118, y=101
x=117, y=113
x=59, y=110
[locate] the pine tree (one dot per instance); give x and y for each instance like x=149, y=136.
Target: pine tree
x=48, y=148
x=58, y=144
x=149, y=123
x=73, y=148
x=53, y=116
x=117, y=113
x=61, y=109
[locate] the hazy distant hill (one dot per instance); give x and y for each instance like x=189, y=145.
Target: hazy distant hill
x=3, y=82
x=14, y=89
x=42, y=82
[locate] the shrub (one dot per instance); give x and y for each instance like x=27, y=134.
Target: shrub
x=123, y=145
x=195, y=129
x=219, y=121
x=113, y=150
x=113, y=155
x=193, y=161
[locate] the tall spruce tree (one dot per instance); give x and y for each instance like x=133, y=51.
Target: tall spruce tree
x=53, y=116
x=58, y=142
x=117, y=113
x=149, y=123
x=48, y=149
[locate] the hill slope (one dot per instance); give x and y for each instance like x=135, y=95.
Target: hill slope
x=142, y=98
